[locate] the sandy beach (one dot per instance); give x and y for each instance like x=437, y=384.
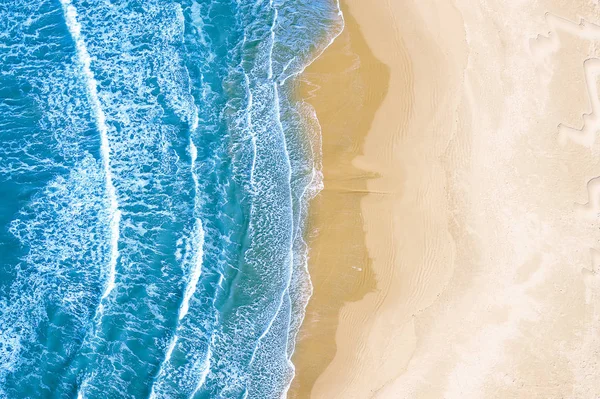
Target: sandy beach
x=455, y=252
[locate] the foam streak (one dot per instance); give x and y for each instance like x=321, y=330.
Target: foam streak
x=83, y=57
x=190, y=288
x=317, y=174
x=289, y=179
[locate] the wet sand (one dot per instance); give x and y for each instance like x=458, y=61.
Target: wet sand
x=458, y=249
x=346, y=86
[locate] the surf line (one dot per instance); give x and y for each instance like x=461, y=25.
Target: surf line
x=70, y=14
x=280, y=129
x=196, y=270
x=191, y=285
x=317, y=173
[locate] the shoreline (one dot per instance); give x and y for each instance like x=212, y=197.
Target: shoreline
x=456, y=245
x=365, y=260
x=335, y=86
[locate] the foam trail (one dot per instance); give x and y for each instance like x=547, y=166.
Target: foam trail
x=192, y=284
x=170, y=349
x=315, y=172
x=190, y=288
x=301, y=71
x=205, y=368
x=289, y=179
x=83, y=57
x=249, y=122
x=272, y=41
x=80, y=390
x=165, y=361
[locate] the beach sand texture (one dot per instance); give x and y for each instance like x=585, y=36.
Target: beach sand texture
x=346, y=91
x=456, y=249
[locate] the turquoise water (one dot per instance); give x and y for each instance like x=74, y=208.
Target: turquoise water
x=155, y=172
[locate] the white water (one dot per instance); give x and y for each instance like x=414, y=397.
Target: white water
x=204, y=369
x=270, y=76
x=289, y=179
x=190, y=288
x=81, y=388
x=192, y=283
x=83, y=57
x=318, y=54
x=165, y=361
x=316, y=183
x=250, y=129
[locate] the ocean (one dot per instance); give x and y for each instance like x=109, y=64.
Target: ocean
x=156, y=166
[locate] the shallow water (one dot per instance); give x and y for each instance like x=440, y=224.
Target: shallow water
x=155, y=170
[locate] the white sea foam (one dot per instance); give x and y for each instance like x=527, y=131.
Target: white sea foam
x=170, y=348
x=248, y=114
x=318, y=53
x=194, y=246
x=204, y=369
x=277, y=112
x=198, y=237
x=165, y=361
x=270, y=73
x=309, y=192
x=290, y=199
x=81, y=389
x=115, y=214
x=198, y=22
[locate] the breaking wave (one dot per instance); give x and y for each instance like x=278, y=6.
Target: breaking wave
x=156, y=169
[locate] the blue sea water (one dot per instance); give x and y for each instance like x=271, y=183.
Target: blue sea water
x=155, y=171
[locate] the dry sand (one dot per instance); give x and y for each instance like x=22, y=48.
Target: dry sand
x=456, y=253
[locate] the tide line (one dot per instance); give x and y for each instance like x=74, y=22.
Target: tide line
x=318, y=173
